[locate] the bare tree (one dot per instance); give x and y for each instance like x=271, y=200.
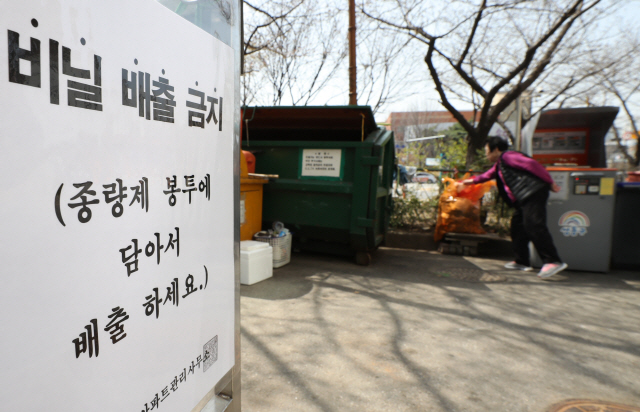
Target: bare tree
x=295, y=53
x=258, y=33
x=618, y=79
x=478, y=50
x=384, y=77
x=291, y=51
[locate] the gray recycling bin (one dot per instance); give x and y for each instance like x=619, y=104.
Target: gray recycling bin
x=580, y=217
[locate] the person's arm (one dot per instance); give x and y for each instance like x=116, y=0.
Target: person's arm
x=486, y=176
x=522, y=162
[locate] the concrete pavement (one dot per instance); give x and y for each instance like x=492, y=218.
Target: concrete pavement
x=420, y=331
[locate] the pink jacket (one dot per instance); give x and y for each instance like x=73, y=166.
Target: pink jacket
x=515, y=160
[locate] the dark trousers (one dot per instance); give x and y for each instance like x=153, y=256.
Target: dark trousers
x=529, y=224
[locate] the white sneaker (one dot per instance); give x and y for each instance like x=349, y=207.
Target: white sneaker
x=550, y=269
x=518, y=266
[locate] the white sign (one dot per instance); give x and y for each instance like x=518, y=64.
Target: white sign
x=562, y=180
x=321, y=162
x=572, y=142
x=117, y=244
x=432, y=161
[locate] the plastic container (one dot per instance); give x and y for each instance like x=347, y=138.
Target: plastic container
x=281, y=248
x=255, y=262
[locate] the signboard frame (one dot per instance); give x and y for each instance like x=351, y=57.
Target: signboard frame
x=225, y=395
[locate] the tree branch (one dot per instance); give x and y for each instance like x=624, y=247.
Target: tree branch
x=476, y=22
x=443, y=96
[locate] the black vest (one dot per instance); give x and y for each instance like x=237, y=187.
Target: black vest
x=521, y=183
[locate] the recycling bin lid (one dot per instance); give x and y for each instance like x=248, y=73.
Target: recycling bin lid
x=628, y=185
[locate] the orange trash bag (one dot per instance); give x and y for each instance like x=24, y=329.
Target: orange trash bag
x=459, y=207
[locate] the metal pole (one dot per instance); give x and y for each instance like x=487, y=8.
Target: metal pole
x=518, y=122
x=353, y=96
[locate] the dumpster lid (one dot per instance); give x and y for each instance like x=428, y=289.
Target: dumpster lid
x=329, y=123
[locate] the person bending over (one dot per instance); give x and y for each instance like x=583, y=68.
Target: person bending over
x=524, y=184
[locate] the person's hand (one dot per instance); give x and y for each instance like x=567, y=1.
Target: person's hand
x=467, y=181
x=555, y=188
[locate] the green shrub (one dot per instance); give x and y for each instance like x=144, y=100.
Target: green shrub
x=411, y=213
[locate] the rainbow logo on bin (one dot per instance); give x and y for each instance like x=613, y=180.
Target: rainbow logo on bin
x=574, y=223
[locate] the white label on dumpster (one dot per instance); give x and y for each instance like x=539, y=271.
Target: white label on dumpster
x=117, y=203
x=562, y=180
x=243, y=211
x=321, y=162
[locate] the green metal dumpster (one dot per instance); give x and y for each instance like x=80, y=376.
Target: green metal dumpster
x=335, y=168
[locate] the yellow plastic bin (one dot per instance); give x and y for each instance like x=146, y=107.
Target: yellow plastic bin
x=251, y=188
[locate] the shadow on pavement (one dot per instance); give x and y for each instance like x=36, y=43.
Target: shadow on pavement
x=405, y=334
x=420, y=267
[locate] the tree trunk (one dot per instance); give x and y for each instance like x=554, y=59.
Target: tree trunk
x=476, y=142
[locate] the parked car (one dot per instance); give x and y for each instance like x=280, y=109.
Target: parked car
x=424, y=177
